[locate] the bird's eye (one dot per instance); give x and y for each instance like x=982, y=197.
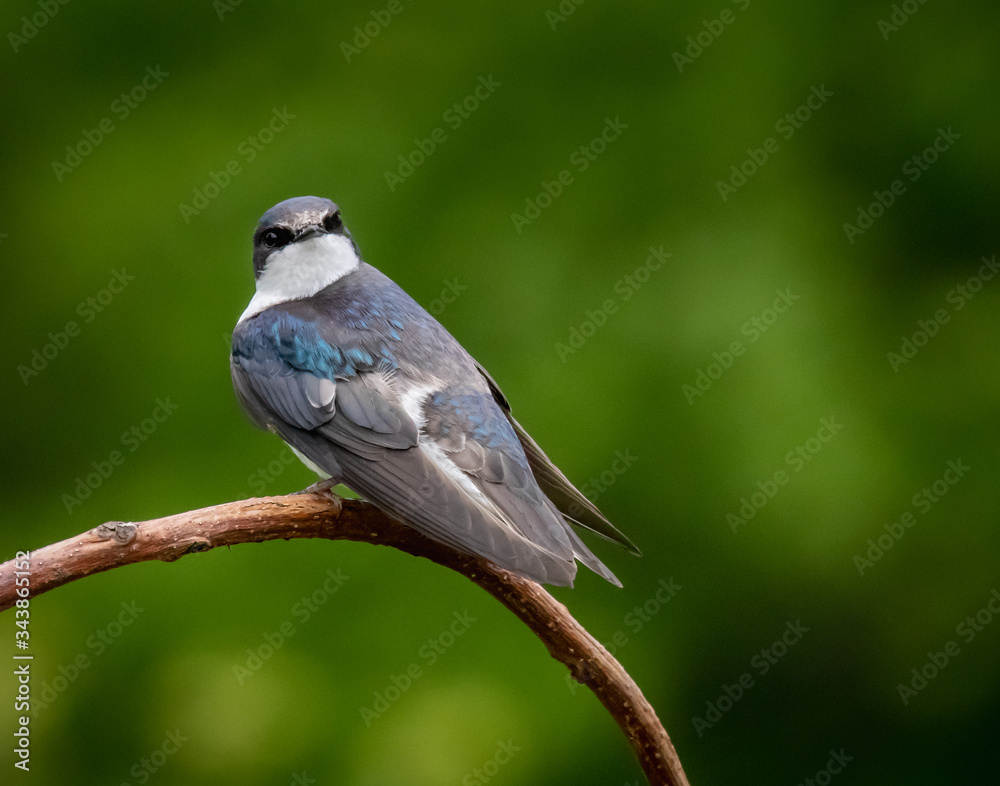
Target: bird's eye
x=276, y=238
x=333, y=222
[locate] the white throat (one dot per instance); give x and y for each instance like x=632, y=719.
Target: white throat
x=302, y=269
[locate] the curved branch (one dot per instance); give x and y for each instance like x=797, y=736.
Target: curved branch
x=319, y=515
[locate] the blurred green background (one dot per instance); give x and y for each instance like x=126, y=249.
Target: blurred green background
x=493, y=707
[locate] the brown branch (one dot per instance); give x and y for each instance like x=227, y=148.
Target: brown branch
x=318, y=515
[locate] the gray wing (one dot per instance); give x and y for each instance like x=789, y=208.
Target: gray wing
x=358, y=430
x=571, y=504
x=473, y=433
x=269, y=386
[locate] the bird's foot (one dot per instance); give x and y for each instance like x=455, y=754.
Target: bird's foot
x=320, y=487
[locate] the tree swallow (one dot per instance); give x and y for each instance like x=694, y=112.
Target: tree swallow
x=371, y=391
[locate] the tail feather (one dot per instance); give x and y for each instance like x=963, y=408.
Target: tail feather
x=565, y=496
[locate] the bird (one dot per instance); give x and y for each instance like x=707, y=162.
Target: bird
x=371, y=391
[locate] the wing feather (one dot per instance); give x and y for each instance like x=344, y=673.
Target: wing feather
x=459, y=473
x=570, y=502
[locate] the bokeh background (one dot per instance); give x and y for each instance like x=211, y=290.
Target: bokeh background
x=493, y=707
